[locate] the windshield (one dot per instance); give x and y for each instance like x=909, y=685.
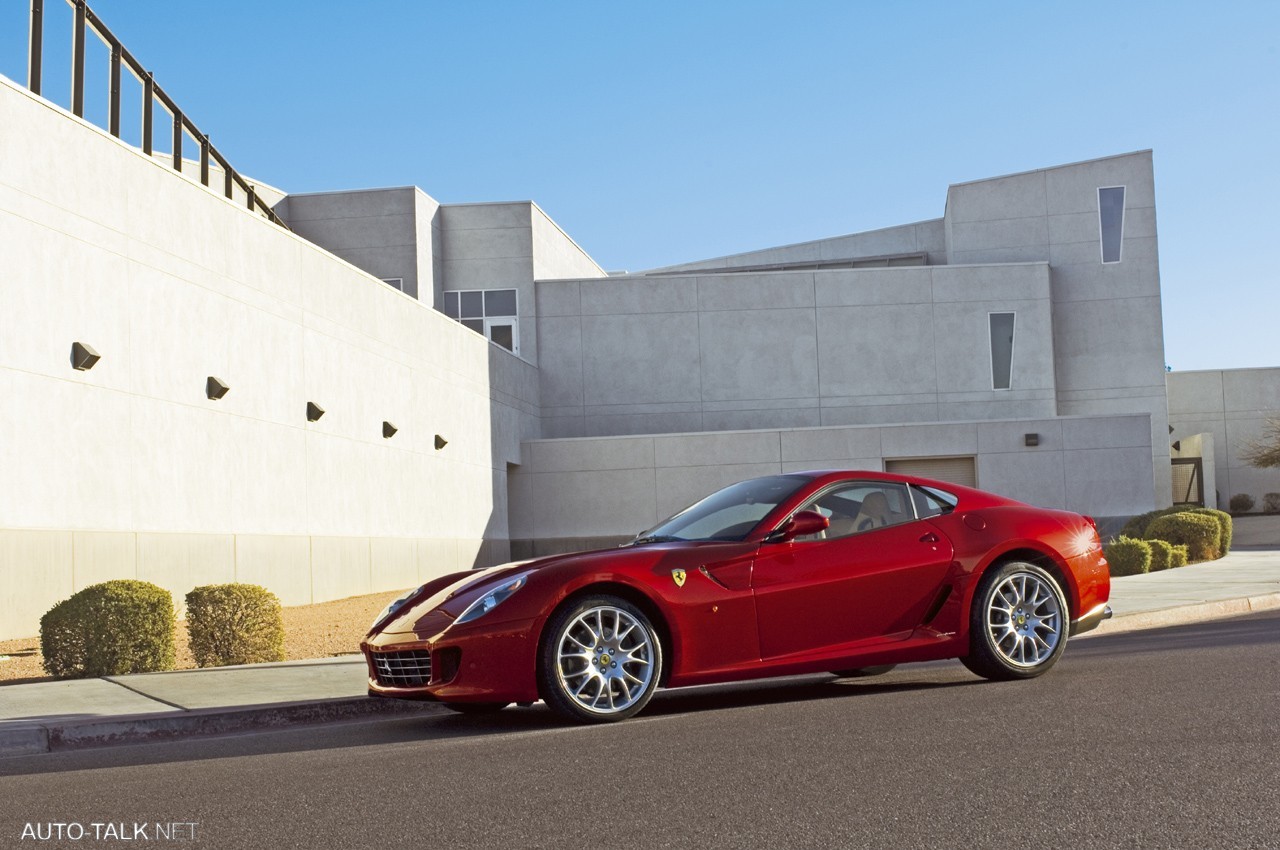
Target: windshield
x=728, y=514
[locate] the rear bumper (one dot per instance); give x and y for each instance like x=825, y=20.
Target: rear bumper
x=1090, y=620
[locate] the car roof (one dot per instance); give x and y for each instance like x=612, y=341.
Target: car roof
x=972, y=495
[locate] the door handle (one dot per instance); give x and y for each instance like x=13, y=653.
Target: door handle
x=929, y=537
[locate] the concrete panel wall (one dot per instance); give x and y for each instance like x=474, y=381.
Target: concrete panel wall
x=1233, y=405
x=1107, y=330
x=572, y=493
x=555, y=254
x=128, y=470
x=634, y=355
x=379, y=231
x=490, y=246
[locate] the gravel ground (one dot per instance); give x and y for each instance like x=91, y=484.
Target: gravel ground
x=310, y=631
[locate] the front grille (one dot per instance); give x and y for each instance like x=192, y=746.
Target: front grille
x=408, y=669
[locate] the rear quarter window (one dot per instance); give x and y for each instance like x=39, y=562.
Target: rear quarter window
x=932, y=502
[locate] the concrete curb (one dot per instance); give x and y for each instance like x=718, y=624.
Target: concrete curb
x=1185, y=614
x=90, y=732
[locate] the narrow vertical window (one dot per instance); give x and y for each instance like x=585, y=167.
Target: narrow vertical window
x=1111, y=222
x=1001, y=349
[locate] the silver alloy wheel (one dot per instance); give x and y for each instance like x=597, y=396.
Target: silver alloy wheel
x=605, y=660
x=1024, y=619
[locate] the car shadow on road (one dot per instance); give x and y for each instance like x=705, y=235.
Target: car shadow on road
x=437, y=728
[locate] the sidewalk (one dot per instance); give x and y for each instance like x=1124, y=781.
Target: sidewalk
x=52, y=716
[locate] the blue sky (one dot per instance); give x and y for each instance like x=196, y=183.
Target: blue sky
x=658, y=132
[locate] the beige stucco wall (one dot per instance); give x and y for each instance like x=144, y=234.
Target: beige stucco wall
x=128, y=470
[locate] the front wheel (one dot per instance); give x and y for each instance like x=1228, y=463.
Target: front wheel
x=600, y=660
x=1018, y=623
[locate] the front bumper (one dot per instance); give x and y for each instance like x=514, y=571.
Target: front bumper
x=1090, y=620
x=495, y=664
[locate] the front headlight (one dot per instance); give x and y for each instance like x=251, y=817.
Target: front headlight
x=395, y=606
x=492, y=599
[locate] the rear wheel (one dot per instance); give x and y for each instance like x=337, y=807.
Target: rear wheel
x=864, y=672
x=1018, y=623
x=600, y=660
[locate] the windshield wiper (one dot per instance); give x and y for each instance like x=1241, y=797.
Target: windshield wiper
x=655, y=538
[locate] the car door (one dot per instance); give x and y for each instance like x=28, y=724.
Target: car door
x=871, y=576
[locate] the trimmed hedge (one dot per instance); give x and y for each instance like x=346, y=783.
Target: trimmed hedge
x=1128, y=556
x=1271, y=502
x=1178, y=557
x=234, y=624
x=1161, y=554
x=109, y=629
x=1202, y=535
x=1224, y=527
x=1241, y=503
x=1136, y=527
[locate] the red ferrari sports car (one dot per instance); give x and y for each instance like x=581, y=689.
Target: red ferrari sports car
x=848, y=572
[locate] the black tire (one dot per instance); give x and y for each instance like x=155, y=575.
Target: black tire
x=629, y=668
x=1007, y=658
x=864, y=672
x=475, y=707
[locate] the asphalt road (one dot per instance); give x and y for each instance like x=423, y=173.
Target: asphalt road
x=1166, y=738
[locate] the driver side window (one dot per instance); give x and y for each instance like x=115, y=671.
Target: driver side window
x=860, y=507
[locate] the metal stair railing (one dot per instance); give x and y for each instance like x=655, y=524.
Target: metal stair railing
x=151, y=92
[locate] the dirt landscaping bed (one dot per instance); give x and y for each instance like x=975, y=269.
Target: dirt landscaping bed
x=310, y=631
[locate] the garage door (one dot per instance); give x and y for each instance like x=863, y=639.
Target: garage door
x=957, y=470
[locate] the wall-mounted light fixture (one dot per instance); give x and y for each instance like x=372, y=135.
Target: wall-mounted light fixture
x=214, y=388
x=441, y=442
x=314, y=411
x=388, y=430
x=83, y=357
x=1031, y=439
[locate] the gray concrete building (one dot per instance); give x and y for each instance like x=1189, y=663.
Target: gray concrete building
x=416, y=387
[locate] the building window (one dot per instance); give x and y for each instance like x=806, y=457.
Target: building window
x=491, y=312
x=1111, y=221
x=394, y=282
x=1001, y=349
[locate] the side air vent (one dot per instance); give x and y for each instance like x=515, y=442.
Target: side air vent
x=937, y=605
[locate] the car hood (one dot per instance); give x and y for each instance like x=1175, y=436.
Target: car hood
x=432, y=613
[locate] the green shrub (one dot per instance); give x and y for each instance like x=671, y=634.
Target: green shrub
x=1136, y=527
x=1199, y=533
x=1241, y=503
x=1271, y=502
x=109, y=629
x=1224, y=527
x=1161, y=555
x=1128, y=556
x=1178, y=557
x=234, y=624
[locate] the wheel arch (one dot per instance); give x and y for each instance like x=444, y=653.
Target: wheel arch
x=636, y=597
x=1046, y=560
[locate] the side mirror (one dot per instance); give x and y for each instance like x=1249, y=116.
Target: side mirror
x=800, y=524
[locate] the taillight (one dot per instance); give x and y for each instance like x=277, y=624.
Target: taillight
x=1092, y=522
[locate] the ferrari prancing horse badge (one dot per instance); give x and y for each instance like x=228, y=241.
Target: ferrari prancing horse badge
x=678, y=575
